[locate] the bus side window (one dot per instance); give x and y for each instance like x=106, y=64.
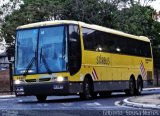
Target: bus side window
x=89, y=38
x=74, y=49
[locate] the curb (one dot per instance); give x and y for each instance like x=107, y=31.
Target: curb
x=6, y=96
x=126, y=102
x=151, y=89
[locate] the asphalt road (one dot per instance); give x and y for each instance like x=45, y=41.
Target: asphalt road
x=70, y=106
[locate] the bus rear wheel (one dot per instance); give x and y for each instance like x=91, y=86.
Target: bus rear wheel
x=139, y=86
x=41, y=98
x=132, y=89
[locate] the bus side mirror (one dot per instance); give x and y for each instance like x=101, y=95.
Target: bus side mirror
x=10, y=59
x=74, y=35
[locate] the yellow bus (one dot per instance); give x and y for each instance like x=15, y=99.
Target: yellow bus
x=71, y=57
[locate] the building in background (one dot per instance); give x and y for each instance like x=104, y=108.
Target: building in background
x=6, y=68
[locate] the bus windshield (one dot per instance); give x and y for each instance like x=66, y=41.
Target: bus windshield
x=41, y=50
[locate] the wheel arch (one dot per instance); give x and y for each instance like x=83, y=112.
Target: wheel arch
x=89, y=77
x=133, y=77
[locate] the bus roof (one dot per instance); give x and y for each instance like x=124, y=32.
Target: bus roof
x=91, y=26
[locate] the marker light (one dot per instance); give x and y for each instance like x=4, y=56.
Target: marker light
x=100, y=49
x=118, y=49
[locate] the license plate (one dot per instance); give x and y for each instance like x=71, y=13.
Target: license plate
x=58, y=87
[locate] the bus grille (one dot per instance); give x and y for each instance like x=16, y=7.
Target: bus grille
x=31, y=80
x=40, y=80
x=44, y=79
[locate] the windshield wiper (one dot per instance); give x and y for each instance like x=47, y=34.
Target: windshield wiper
x=45, y=63
x=29, y=66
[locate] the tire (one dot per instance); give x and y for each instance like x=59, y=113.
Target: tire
x=87, y=90
x=132, y=87
x=41, y=98
x=105, y=94
x=94, y=95
x=139, y=86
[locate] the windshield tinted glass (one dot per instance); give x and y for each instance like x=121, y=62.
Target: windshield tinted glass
x=52, y=49
x=42, y=50
x=26, y=47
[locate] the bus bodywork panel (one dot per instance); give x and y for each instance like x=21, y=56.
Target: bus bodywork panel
x=109, y=71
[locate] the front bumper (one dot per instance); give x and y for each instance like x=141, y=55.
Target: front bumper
x=48, y=88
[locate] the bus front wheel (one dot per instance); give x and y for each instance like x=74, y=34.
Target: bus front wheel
x=41, y=98
x=86, y=89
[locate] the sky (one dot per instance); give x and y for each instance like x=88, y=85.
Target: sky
x=156, y=5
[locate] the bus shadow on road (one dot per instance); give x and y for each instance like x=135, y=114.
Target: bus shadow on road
x=70, y=99
x=74, y=99
x=52, y=100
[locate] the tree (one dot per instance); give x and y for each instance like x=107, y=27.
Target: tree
x=138, y=20
x=89, y=11
x=130, y=16
x=6, y=8
x=29, y=12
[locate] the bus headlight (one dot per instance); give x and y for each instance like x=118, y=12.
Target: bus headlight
x=17, y=82
x=61, y=79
